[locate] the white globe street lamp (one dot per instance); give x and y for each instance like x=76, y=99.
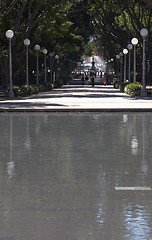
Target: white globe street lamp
x=45, y=52
x=125, y=51
x=134, y=42
x=143, y=33
x=37, y=48
x=130, y=47
x=56, y=57
x=9, y=34
x=27, y=43
x=117, y=57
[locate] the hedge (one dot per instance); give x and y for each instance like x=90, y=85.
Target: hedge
x=133, y=89
x=24, y=90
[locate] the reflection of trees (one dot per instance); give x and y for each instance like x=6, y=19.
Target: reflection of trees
x=70, y=168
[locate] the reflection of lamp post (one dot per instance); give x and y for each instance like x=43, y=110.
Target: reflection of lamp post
x=9, y=35
x=125, y=51
x=51, y=70
x=134, y=42
x=144, y=166
x=118, y=58
x=45, y=52
x=37, y=48
x=143, y=33
x=121, y=55
x=11, y=164
x=57, y=61
x=129, y=46
x=27, y=43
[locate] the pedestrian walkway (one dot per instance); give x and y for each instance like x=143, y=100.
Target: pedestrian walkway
x=79, y=98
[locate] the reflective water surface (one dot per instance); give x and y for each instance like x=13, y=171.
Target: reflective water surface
x=58, y=174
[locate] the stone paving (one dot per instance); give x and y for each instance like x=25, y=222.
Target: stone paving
x=79, y=98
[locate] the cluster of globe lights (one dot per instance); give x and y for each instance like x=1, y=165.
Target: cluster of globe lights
x=134, y=42
x=10, y=34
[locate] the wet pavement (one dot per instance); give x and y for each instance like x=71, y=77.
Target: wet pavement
x=79, y=98
x=76, y=176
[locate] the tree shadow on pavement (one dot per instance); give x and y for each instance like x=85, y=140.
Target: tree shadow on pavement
x=22, y=105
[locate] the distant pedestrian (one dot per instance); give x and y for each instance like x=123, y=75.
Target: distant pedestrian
x=82, y=79
x=92, y=81
x=86, y=79
x=105, y=79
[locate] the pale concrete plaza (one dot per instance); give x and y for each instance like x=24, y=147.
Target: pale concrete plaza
x=79, y=98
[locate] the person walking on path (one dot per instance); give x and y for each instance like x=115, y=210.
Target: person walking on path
x=105, y=79
x=92, y=81
x=86, y=79
x=82, y=79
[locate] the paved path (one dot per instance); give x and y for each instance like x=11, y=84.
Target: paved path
x=79, y=98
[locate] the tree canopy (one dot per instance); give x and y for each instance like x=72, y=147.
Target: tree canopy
x=72, y=28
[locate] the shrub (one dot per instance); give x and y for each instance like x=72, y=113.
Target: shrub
x=122, y=86
x=24, y=90
x=45, y=87
x=58, y=84
x=33, y=89
x=17, y=91
x=133, y=89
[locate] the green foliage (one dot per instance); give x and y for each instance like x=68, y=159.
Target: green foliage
x=122, y=85
x=58, y=84
x=65, y=28
x=45, y=87
x=24, y=90
x=116, y=22
x=61, y=26
x=133, y=89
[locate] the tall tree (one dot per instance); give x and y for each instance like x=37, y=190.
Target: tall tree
x=47, y=22
x=116, y=22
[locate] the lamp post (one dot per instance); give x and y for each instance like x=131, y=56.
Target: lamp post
x=45, y=52
x=125, y=51
x=111, y=60
x=129, y=46
x=37, y=48
x=9, y=35
x=27, y=43
x=51, y=70
x=118, y=58
x=134, y=42
x=57, y=61
x=121, y=55
x=143, y=33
